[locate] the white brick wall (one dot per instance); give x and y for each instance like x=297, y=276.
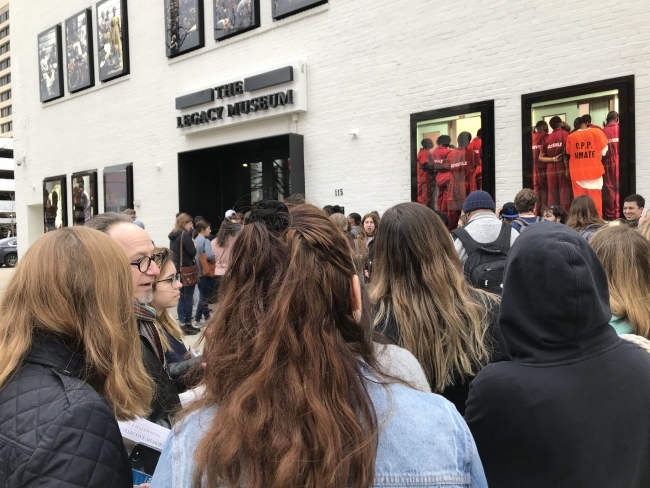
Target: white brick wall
x=371, y=64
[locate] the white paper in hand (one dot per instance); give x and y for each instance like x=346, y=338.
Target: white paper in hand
x=144, y=432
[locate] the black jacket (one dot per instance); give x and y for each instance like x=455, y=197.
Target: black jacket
x=189, y=249
x=571, y=408
x=457, y=392
x=55, y=429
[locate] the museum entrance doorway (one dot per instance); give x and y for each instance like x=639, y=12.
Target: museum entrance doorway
x=236, y=176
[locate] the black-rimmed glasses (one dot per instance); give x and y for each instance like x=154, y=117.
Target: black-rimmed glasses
x=144, y=263
x=172, y=280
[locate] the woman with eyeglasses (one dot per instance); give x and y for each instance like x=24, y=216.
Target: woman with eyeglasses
x=166, y=293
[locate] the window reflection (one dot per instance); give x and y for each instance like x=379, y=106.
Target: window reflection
x=561, y=173
x=449, y=162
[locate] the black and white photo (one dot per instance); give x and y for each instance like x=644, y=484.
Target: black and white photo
x=112, y=39
x=232, y=17
x=184, y=31
x=79, y=51
x=50, y=69
x=285, y=8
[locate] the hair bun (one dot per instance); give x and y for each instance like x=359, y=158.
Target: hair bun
x=273, y=214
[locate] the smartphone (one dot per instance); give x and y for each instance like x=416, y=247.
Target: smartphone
x=143, y=463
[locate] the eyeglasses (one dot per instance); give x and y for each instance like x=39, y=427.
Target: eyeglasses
x=144, y=263
x=172, y=279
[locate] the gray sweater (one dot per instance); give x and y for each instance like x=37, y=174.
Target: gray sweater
x=483, y=227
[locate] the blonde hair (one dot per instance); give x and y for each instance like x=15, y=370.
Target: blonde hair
x=418, y=280
x=644, y=229
x=164, y=322
x=181, y=220
x=358, y=246
x=625, y=255
x=75, y=284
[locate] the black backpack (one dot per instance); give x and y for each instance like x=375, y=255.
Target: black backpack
x=485, y=263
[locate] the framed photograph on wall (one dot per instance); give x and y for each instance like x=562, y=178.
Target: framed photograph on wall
x=184, y=30
x=80, y=66
x=285, y=8
x=548, y=118
x=84, y=196
x=55, y=198
x=233, y=17
x=112, y=39
x=452, y=154
x=50, y=69
x=118, y=188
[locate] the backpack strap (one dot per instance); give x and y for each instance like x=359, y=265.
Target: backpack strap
x=521, y=222
x=503, y=240
x=466, y=240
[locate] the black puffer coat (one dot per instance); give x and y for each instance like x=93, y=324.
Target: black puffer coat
x=55, y=429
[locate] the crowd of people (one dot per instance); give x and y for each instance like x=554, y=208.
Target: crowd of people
x=337, y=350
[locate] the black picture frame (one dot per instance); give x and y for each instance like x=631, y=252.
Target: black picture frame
x=227, y=23
x=184, y=30
x=486, y=109
x=112, y=52
x=80, y=61
x=83, y=186
x=118, y=187
x=627, y=138
x=55, y=203
x=50, y=69
x=286, y=8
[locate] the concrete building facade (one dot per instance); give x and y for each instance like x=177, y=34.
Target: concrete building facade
x=370, y=78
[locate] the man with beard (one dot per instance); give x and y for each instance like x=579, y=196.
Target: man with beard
x=139, y=248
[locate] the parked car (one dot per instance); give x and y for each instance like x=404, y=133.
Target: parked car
x=9, y=251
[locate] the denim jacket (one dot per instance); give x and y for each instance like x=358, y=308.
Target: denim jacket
x=423, y=442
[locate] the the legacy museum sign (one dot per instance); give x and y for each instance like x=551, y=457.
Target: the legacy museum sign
x=279, y=91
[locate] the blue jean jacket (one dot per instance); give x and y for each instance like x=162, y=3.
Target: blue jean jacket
x=423, y=442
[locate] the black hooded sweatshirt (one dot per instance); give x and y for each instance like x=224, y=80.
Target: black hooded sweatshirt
x=572, y=409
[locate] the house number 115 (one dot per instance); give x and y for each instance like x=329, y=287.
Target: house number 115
x=338, y=192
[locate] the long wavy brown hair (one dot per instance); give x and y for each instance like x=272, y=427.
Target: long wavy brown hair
x=418, y=281
x=583, y=213
x=75, y=284
x=625, y=255
x=284, y=362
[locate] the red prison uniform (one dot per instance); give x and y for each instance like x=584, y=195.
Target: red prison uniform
x=585, y=150
x=611, y=195
x=476, y=181
x=540, y=181
x=559, y=186
x=443, y=177
x=461, y=163
x=424, y=178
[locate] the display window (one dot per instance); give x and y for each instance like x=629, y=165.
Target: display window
x=452, y=155
x=118, y=188
x=84, y=196
x=55, y=198
x=579, y=140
